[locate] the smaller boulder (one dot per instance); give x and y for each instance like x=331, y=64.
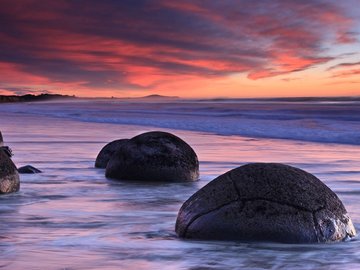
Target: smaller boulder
x=107, y=151
x=28, y=169
x=9, y=177
x=155, y=157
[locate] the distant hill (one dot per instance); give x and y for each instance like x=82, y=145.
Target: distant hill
x=30, y=97
x=156, y=96
x=153, y=97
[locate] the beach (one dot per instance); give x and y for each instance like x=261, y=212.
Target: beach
x=72, y=217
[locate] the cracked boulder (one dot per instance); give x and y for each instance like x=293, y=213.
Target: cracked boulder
x=107, y=151
x=265, y=202
x=154, y=156
x=9, y=177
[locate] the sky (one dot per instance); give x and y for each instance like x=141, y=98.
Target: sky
x=198, y=48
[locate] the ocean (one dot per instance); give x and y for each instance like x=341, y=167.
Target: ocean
x=72, y=217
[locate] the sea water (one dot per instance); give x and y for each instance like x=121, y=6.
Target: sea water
x=72, y=217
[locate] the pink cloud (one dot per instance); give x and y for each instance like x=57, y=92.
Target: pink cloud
x=347, y=73
x=345, y=70
x=121, y=45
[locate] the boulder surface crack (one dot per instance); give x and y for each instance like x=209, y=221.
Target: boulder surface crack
x=317, y=228
x=244, y=201
x=207, y=212
x=278, y=202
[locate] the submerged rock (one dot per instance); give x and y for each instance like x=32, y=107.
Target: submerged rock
x=9, y=177
x=154, y=156
x=265, y=202
x=107, y=151
x=28, y=169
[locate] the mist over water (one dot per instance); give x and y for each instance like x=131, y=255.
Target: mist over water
x=72, y=217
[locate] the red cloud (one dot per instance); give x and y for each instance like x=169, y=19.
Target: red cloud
x=346, y=38
x=285, y=63
x=345, y=70
x=13, y=73
x=122, y=45
x=348, y=73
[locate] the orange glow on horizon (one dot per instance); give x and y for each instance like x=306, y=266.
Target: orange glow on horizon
x=180, y=49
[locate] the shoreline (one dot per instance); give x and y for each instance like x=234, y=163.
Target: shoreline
x=159, y=98
x=33, y=98
x=144, y=128
x=80, y=115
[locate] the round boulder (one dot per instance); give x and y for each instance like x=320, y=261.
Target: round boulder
x=9, y=177
x=265, y=202
x=107, y=151
x=154, y=156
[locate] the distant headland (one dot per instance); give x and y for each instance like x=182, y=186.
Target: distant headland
x=159, y=96
x=151, y=97
x=31, y=98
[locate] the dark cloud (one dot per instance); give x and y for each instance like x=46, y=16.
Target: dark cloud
x=345, y=70
x=345, y=65
x=108, y=44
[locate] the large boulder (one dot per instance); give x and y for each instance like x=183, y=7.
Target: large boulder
x=107, y=151
x=265, y=202
x=9, y=177
x=154, y=156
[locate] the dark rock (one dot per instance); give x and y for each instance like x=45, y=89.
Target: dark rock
x=154, y=156
x=7, y=150
x=9, y=177
x=28, y=169
x=265, y=202
x=107, y=151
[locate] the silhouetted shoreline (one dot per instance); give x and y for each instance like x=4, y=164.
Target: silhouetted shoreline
x=159, y=98
x=31, y=98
